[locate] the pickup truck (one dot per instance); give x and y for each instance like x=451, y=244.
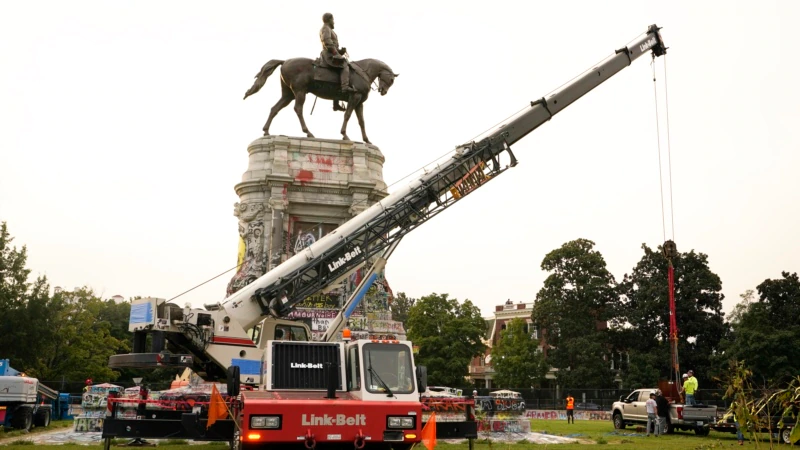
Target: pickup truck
x=631, y=409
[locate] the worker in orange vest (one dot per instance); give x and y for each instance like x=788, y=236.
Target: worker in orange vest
x=570, y=409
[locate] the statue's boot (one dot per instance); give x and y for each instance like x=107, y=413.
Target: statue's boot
x=344, y=80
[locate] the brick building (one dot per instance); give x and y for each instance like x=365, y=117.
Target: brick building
x=481, y=372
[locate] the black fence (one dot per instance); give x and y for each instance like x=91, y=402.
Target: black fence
x=585, y=399
x=595, y=399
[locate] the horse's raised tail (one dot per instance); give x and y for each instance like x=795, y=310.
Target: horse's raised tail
x=261, y=77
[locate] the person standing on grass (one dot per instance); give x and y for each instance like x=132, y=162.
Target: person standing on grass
x=570, y=409
x=652, y=408
x=662, y=411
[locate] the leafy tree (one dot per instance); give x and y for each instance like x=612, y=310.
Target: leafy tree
x=742, y=307
x=449, y=334
x=401, y=306
x=641, y=369
x=14, y=288
x=783, y=298
x=80, y=345
x=516, y=358
x=765, y=331
x=37, y=336
x=23, y=306
x=644, y=307
x=13, y=273
x=115, y=316
x=572, y=309
x=66, y=336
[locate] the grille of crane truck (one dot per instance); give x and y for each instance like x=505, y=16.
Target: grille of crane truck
x=303, y=365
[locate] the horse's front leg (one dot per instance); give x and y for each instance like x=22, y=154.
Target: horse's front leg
x=355, y=99
x=299, y=100
x=360, y=115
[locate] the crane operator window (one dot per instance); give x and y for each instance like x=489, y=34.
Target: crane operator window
x=388, y=369
x=255, y=333
x=290, y=333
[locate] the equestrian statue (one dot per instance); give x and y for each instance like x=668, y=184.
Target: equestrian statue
x=329, y=77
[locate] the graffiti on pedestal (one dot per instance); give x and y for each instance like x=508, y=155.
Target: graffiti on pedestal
x=306, y=313
x=371, y=319
x=252, y=257
x=330, y=300
x=386, y=326
x=304, y=234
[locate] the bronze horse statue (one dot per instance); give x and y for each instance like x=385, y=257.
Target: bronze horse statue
x=297, y=80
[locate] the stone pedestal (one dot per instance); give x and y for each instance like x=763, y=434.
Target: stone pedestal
x=296, y=190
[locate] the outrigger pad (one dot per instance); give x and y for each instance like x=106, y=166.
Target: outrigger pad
x=150, y=360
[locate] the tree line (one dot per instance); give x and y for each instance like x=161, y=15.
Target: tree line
x=587, y=319
x=65, y=336
x=597, y=331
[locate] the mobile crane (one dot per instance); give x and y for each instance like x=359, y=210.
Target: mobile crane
x=366, y=391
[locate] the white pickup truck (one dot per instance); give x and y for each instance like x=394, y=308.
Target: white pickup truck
x=631, y=409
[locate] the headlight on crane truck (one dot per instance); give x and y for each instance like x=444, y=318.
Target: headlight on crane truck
x=272, y=422
x=403, y=422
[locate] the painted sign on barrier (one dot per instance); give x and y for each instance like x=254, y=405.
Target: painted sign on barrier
x=505, y=426
x=548, y=414
x=492, y=405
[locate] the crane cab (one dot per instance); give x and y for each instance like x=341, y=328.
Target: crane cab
x=331, y=393
x=364, y=369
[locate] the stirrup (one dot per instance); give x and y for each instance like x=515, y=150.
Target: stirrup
x=347, y=89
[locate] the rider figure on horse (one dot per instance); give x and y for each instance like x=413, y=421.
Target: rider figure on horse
x=331, y=55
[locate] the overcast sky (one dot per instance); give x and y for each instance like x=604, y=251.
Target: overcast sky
x=123, y=132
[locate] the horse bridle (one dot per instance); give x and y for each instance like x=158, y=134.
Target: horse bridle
x=373, y=82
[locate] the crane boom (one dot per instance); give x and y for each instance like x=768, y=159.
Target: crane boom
x=378, y=227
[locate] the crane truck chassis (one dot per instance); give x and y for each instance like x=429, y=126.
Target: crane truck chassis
x=365, y=392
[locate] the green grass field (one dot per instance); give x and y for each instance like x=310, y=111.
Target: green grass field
x=603, y=433
x=589, y=432
x=10, y=433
